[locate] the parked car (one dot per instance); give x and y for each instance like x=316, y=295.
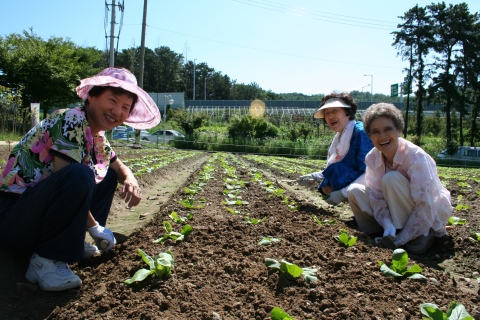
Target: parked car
x=144, y=134
x=119, y=129
x=463, y=153
x=122, y=136
x=170, y=136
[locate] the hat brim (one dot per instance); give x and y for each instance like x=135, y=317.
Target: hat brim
x=145, y=114
x=320, y=114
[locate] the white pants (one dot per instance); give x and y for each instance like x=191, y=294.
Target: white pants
x=396, y=191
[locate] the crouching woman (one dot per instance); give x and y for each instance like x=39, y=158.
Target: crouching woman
x=403, y=194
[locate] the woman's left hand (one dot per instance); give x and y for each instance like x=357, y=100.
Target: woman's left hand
x=131, y=193
x=327, y=189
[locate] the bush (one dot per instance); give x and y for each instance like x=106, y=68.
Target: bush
x=247, y=127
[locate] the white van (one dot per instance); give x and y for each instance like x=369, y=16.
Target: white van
x=463, y=153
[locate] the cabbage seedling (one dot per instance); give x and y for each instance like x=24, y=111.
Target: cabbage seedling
x=292, y=270
x=346, y=239
x=268, y=240
x=456, y=220
x=176, y=218
x=456, y=311
x=177, y=236
x=476, y=236
x=320, y=222
x=253, y=221
x=161, y=265
x=279, y=314
x=399, y=267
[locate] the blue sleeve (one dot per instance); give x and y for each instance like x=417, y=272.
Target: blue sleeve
x=352, y=166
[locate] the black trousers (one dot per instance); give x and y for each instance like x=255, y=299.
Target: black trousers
x=50, y=218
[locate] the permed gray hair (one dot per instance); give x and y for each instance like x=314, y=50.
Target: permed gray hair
x=386, y=110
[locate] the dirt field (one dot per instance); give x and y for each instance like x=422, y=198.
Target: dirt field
x=220, y=272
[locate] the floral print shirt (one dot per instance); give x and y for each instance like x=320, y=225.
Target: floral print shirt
x=432, y=201
x=65, y=134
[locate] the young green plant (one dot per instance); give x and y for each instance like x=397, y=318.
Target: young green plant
x=399, y=267
x=279, y=314
x=176, y=218
x=292, y=270
x=346, y=239
x=475, y=236
x=176, y=236
x=268, y=240
x=321, y=223
x=456, y=311
x=456, y=221
x=161, y=265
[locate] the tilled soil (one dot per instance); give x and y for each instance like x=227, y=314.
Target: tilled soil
x=220, y=271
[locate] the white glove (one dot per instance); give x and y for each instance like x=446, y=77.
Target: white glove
x=99, y=233
x=390, y=231
x=310, y=179
x=335, y=198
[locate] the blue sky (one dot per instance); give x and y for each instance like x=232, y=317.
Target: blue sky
x=306, y=46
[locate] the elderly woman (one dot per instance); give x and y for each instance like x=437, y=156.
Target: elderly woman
x=346, y=157
x=60, y=179
x=403, y=195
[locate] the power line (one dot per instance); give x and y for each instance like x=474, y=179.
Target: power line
x=270, y=51
x=333, y=14
x=320, y=16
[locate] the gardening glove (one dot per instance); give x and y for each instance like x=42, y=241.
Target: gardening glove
x=335, y=198
x=309, y=180
x=390, y=231
x=99, y=233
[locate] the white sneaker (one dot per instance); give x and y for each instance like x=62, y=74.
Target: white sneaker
x=90, y=250
x=51, y=275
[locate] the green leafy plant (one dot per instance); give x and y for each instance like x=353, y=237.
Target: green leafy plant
x=346, y=239
x=323, y=222
x=461, y=206
x=161, y=265
x=456, y=220
x=234, y=202
x=268, y=240
x=292, y=270
x=253, y=221
x=232, y=211
x=176, y=218
x=476, y=236
x=456, y=311
x=177, y=236
x=189, y=203
x=399, y=267
x=279, y=314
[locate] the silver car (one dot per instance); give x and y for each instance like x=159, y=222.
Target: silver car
x=170, y=136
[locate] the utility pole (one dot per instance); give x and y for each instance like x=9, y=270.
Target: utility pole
x=112, y=37
x=142, y=59
x=142, y=45
x=194, y=78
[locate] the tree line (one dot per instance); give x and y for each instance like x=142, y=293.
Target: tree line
x=441, y=44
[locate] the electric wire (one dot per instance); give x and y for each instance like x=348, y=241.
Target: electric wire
x=270, y=51
x=321, y=12
x=313, y=17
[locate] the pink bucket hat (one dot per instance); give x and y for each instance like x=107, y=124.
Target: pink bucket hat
x=145, y=115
